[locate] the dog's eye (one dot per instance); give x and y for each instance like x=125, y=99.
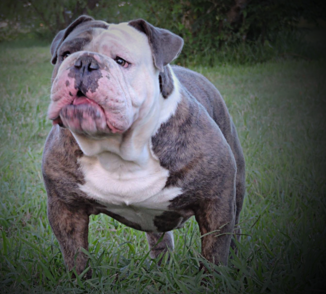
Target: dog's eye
x=121, y=62
x=65, y=55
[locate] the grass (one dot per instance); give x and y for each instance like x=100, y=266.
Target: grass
x=279, y=110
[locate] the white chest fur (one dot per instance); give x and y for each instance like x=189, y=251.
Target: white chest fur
x=133, y=192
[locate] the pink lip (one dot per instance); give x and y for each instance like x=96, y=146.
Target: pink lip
x=82, y=100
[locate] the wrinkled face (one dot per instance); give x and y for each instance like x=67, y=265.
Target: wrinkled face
x=104, y=81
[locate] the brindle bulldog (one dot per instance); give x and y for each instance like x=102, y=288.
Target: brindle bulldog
x=144, y=142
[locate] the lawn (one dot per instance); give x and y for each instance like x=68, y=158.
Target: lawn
x=279, y=110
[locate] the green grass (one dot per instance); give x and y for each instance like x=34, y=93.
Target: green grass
x=279, y=110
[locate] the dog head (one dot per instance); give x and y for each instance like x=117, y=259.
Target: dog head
x=108, y=77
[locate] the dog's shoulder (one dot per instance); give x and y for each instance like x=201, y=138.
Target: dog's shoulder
x=60, y=154
x=204, y=92
x=200, y=89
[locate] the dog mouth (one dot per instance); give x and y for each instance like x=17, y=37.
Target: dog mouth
x=85, y=116
x=79, y=99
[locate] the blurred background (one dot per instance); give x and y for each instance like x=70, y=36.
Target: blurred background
x=240, y=31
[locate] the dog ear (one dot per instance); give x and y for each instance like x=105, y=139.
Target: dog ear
x=59, y=38
x=165, y=45
x=166, y=82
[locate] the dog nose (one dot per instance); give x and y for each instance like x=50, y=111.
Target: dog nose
x=86, y=71
x=86, y=63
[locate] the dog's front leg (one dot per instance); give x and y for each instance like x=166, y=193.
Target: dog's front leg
x=70, y=226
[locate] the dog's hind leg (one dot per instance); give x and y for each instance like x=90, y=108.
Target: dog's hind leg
x=216, y=219
x=240, y=194
x=159, y=243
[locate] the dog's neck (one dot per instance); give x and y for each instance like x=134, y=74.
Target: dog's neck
x=132, y=148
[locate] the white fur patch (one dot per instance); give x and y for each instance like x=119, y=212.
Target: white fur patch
x=135, y=193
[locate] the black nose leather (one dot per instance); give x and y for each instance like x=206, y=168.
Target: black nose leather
x=86, y=71
x=86, y=64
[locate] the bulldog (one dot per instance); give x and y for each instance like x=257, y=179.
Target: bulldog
x=147, y=143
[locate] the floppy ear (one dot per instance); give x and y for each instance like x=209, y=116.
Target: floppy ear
x=166, y=82
x=165, y=45
x=59, y=38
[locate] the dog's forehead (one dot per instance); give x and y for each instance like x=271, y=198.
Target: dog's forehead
x=126, y=36
x=122, y=36
x=125, y=31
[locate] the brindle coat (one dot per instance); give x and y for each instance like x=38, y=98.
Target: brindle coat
x=198, y=145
